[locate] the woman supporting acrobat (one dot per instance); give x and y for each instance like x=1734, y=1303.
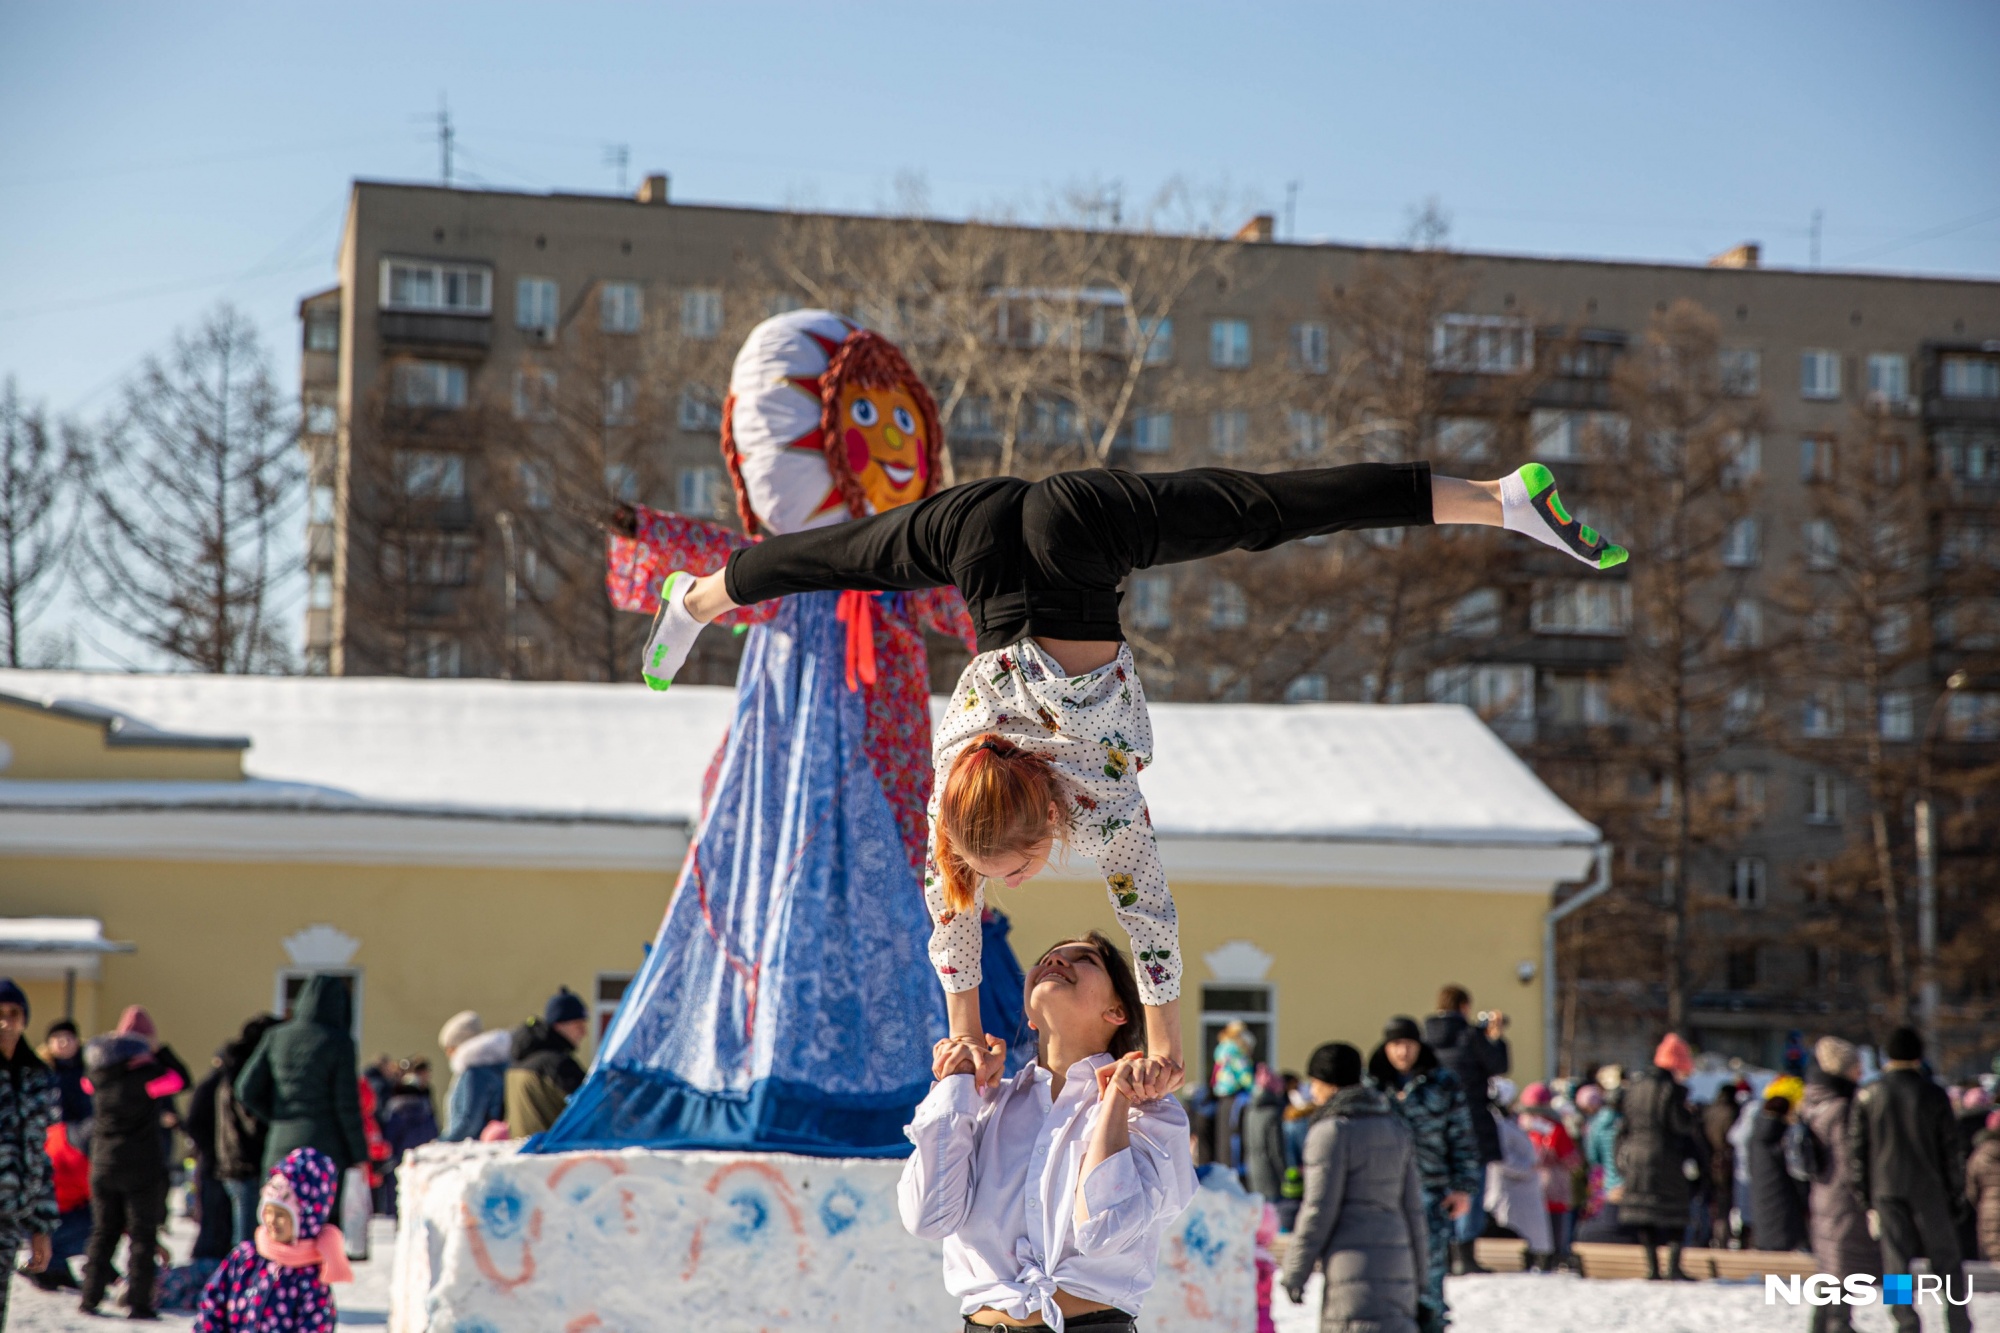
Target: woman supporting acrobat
x=1047, y=732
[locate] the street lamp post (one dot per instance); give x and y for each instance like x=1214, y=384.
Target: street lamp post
x=1927, y=980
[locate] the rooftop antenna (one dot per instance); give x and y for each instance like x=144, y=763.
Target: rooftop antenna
x=1817, y=215
x=618, y=155
x=1291, y=210
x=445, y=137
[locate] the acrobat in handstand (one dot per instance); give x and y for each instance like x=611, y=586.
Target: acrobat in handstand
x=1047, y=732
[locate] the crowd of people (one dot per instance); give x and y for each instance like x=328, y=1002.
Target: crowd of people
x=1385, y=1170
x=283, y=1145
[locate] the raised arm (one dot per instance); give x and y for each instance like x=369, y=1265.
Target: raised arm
x=1136, y=1170
x=934, y=1195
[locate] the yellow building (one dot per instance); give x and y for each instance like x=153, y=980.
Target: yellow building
x=200, y=845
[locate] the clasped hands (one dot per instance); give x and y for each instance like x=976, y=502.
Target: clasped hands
x=1137, y=1077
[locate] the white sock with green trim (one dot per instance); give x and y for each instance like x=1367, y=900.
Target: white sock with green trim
x=1529, y=505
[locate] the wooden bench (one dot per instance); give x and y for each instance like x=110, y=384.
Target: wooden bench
x=1629, y=1261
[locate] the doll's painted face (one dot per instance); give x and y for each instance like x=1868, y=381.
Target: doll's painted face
x=886, y=450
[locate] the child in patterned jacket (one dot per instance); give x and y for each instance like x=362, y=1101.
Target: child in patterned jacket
x=277, y=1283
x=1047, y=732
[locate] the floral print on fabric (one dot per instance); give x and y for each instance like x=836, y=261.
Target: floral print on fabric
x=1095, y=730
x=249, y=1293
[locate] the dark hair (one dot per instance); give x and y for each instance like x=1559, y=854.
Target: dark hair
x=1453, y=998
x=1130, y=1036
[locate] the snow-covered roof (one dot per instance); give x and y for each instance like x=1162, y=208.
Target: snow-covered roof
x=56, y=934
x=1428, y=773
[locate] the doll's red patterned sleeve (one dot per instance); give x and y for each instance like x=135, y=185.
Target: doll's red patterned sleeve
x=943, y=611
x=636, y=566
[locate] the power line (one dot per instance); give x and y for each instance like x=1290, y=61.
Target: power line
x=1986, y=215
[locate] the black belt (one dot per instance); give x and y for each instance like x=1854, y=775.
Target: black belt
x=1099, y=1321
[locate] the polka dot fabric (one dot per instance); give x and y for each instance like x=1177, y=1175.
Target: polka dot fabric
x=1095, y=731
x=250, y=1294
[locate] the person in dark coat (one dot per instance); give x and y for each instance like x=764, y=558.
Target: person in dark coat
x=1655, y=1153
x=1476, y=1055
x=215, y=1237
x=1719, y=1163
x=544, y=1071
x=1776, y=1200
x=134, y=1080
x=1835, y=1219
x=1363, y=1219
x=1431, y=1102
x=302, y=1083
x=1982, y=1188
x=1264, y=1139
x=240, y=1135
x=62, y=1049
x=1905, y=1163
x=28, y=1103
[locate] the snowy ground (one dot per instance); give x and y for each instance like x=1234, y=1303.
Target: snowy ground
x=366, y=1302
x=1560, y=1303
x=1499, y=1303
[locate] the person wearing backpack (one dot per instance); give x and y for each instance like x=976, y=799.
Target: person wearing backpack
x=1837, y=1220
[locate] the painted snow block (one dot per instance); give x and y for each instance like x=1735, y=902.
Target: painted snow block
x=493, y=1240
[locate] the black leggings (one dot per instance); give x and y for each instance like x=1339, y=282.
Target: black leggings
x=1046, y=557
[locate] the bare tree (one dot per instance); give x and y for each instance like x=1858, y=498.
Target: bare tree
x=36, y=476
x=190, y=487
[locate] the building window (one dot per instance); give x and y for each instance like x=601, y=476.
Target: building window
x=705, y=492
x=1743, y=460
x=1741, y=370
x=1969, y=377
x=1475, y=615
x=611, y=988
x=1816, y=459
x=1822, y=544
x=1464, y=439
x=1228, y=685
x=1819, y=374
x=1251, y=1003
x=320, y=504
x=1581, y=606
x=537, y=492
x=429, y=559
x=1306, y=688
x=1228, y=605
x=1502, y=695
x=1158, y=336
x=319, y=595
x=1969, y=454
x=429, y=384
x=1743, y=710
x=292, y=983
x=535, y=302
x=1483, y=344
x=322, y=417
x=1229, y=344
x=1820, y=713
x=1743, y=625
x=699, y=409
x=534, y=394
x=1308, y=432
x=1892, y=631
x=1888, y=377
x=619, y=307
x=1313, y=620
x=701, y=313
x=621, y=401
x=1560, y=436
x=1150, y=601
x=1309, y=346
x=621, y=482
x=1743, y=544
x=434, y=656
x=1972, y=716
x=1750, y=786
x=1826, y=798
x=323, y=331
x=1891, y=460
x=1229, y=433
x=1578, y=701
x=1746, y=882
x=1153, y=433
x=415, y=284
x=429, y=475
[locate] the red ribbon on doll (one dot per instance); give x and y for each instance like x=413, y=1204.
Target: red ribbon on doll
x=857, y=612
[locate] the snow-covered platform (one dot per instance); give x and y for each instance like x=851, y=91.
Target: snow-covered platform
x=495, y=1241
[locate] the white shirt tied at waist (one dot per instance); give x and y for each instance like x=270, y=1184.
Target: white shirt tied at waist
x=994, y=1176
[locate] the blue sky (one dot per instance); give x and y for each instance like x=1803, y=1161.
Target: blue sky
x=160, y=158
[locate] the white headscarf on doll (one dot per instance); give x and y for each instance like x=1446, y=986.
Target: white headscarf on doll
x=776, y=420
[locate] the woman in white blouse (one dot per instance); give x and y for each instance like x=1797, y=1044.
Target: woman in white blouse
x=1047, y=732
x=1051, y=1190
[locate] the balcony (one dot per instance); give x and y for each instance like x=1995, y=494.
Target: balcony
x=429, y=331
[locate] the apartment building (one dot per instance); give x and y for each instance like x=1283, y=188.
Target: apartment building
x=461, y=316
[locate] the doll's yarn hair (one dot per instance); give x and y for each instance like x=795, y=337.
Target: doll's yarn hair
x=997, y=799
x=862, y=360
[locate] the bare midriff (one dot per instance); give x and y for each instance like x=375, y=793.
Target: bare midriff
x=1071, y=1307
x=1080, y=657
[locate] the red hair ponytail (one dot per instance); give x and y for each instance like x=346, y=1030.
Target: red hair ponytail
x=997, y=799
